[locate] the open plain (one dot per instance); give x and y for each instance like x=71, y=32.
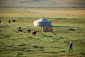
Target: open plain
x=14, y=43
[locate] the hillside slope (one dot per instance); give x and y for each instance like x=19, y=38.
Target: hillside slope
x=43, y=3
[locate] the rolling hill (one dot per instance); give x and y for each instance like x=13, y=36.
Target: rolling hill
x=43, y=3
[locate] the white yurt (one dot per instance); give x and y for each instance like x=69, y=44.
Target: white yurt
x=42, y=22
x=45, y=24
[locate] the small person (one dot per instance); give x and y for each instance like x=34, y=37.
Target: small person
x=70, y=46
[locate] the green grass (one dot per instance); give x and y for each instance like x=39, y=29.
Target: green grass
x=44, y=44
x=14, y=43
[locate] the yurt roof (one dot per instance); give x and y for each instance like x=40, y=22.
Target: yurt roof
x=42, y=20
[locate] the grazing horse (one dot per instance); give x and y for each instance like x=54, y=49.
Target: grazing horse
x=13, y=20
x=9, y=21
x=19, y=27
x=71, y=29
x=33, y=32
x=29, y=31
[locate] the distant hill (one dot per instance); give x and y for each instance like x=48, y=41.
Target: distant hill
x=43, y=3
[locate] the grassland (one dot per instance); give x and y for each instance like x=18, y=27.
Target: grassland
x=45, y=44
x=42, y=3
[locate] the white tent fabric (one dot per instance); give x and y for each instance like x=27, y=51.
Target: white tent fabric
x=42, y=22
